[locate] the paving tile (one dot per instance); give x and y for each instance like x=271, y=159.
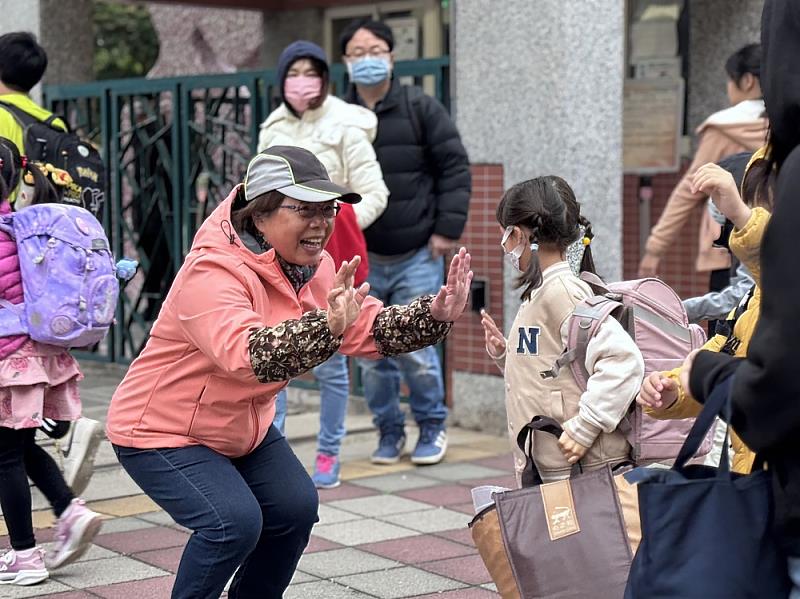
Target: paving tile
x=463, y=471
x=101, y=572
x=415, y=550
x=71, y=595
x=318, y=544
x=462, y=594
x=465, y=453
x=332, y=515
x=106, y=484
x=125, y=506
x=399, y=582
x=301, y=577
x=434, y=520
x=341, y=562
x=162, y=519
x=94, y=552
x=344, y=491
x=503, y=461
x=354, y=469
x=490, y=587
x=462, y=535
x=506, y=480
x=136, y=541
x=465, y=508
x=166, y=559
x=124, y=525
x=380, y=505
x=469, y=569
x=400, y=481
x=358, y=532
x=154, y=588
x=45, y=588
x=439, y=495
x=322, y=589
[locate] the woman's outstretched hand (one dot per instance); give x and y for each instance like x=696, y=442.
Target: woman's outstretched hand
x=450, y=301
x=344, y=302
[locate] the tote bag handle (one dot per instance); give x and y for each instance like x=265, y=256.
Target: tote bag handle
x=531, y=476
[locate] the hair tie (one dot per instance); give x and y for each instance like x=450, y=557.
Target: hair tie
x=24, y=161
x=587, y=241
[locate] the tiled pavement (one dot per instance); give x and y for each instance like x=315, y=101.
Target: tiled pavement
x=387, y=532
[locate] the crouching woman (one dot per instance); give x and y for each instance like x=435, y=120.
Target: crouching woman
x=255, y=304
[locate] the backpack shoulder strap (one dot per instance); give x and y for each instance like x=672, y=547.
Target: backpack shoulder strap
x=596, y=283
x=726, y=327
x=25, y=119
x=583, y=324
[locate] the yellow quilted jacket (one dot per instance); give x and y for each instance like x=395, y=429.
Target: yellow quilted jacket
x=746, y=244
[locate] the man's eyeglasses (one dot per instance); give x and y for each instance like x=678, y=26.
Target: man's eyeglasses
x=374, y=52
x=328, y=212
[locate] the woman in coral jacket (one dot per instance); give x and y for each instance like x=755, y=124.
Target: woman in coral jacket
x=256, y=303
x=340, y=135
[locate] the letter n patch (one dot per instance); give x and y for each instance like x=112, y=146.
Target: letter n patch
x=528, y=340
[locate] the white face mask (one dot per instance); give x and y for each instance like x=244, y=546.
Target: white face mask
x=515, y=254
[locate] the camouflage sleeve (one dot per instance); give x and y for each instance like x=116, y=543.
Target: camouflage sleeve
x=292, y=347
x=403, y=329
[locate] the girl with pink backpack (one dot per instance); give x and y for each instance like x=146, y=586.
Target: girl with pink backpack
x=541, y=219
x=38, y=386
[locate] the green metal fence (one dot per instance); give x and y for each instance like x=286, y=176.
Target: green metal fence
x=174, y=148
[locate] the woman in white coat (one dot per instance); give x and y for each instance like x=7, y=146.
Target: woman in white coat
x=340, y=135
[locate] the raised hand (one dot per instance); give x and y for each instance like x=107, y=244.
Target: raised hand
x=450, y=301
x=495, y=341
x=714, y=181
x=344, y=302
x=657, y=391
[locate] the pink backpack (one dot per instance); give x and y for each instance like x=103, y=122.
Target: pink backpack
x=653, y=315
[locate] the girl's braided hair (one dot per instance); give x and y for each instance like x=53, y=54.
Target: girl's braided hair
x=547, y=207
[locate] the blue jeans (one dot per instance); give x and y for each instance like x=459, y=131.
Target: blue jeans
x=255, y=513
x=402, y=283
x=334, y=387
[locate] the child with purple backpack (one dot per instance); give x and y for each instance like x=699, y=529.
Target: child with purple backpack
x=541, y=219
x=38, y=388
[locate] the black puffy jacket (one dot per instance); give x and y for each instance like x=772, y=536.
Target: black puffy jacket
x=425, y=167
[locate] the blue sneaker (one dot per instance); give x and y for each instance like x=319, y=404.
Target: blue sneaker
x=326, y=471
x=390, y=447
x=432, y=444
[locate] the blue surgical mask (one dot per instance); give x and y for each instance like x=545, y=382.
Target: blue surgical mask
x=369, y=71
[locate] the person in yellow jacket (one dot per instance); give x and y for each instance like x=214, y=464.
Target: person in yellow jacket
x=664, y=395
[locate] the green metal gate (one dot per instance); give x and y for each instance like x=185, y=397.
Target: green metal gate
x=174, y=148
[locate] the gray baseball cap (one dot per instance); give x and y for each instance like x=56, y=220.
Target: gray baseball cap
x=296, y=173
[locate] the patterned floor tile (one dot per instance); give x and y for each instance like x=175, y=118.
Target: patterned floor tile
x=322, y=589
x=503, y=461
x=415, y=550
x=136, y=541
x=462, y=594
x=426, y=521
x=125, y=506
x=154, y=588
x=44, y=589
x=101, y=572
x=469, y=569
x=344, y=491
x=166, y=559
x=461, y=535
x=333, y=515
x=400, y=582
x=463, y=471
x=379, y=505
x=318, y=544
x=359, y=532
x=391, y=483
x=341, y=562
x=443, y=495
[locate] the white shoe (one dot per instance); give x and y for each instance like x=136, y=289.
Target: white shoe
x=75, y=529
x=24, y=568
x=79, y=452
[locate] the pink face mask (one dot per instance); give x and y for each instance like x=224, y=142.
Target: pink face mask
x=300, y=91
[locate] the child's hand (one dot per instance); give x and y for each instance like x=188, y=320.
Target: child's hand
x=495, y=342
x=571, y=449
x=716, y=182
x=657, y=391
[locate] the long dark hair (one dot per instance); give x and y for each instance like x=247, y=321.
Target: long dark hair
x=548, y=208
x=14, y=167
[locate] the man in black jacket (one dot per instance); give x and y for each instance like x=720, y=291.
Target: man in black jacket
x=427, y=172
x=765, y=387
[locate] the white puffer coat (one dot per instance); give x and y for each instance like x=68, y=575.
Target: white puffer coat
x=340, y=135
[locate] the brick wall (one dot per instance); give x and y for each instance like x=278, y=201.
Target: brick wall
x=465, y=346
x=677, y=266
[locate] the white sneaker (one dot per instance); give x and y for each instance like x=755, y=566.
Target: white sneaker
x=79, y=452
x=75, y=529
x=23, y=568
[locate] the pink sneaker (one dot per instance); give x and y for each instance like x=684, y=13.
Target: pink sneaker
x=75, y=530
x=23, y=568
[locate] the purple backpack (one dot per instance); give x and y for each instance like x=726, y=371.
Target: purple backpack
x=654, y=316
x=69, y=285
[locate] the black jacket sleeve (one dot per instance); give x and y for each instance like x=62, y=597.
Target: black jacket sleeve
x=450, y=169
x=766, y=390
